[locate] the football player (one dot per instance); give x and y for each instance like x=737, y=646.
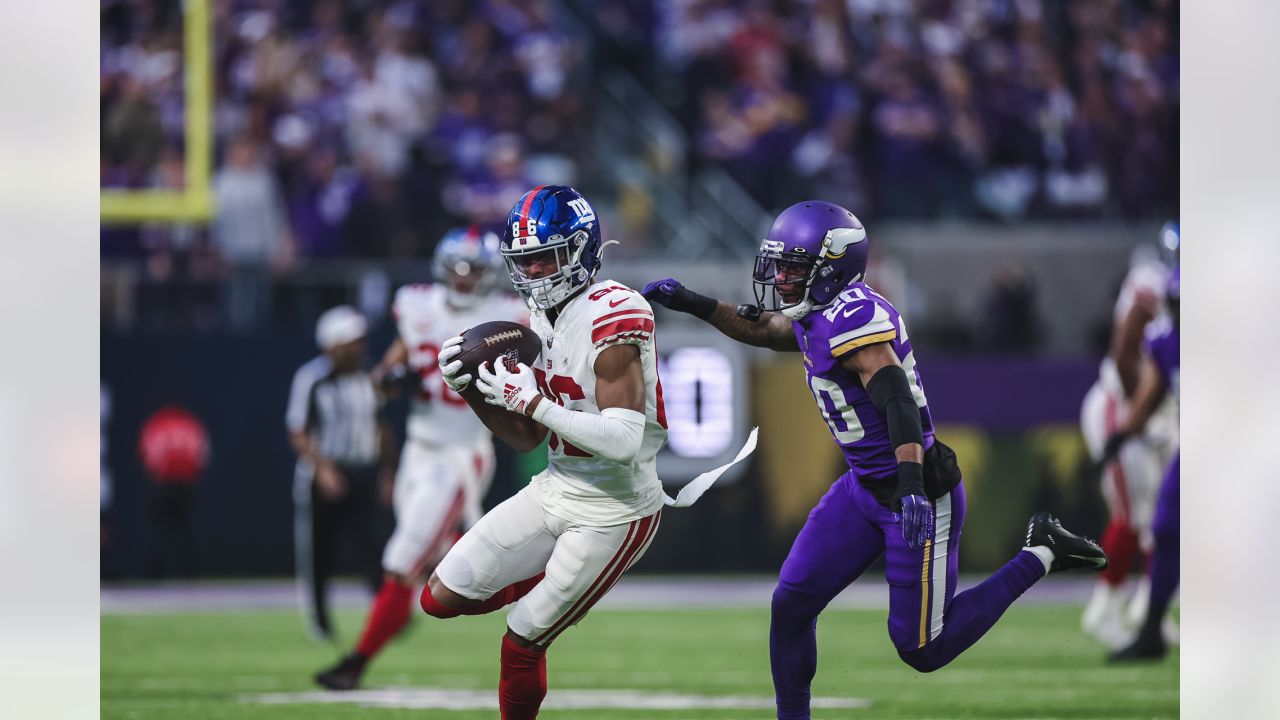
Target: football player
x=447, y=461
x=557, y=546
x=1160, y=378
x=1130, y=483
x=902, y=496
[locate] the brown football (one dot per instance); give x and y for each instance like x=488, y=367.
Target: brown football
x=489, y=341
x=511, y=342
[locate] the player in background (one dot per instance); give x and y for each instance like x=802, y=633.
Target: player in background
x=447, y=462
x=557, y=546
x=1159, y=378
x=1130, y=483
x=902, y=496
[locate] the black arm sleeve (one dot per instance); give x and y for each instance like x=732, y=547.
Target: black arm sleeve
x=891, y=393
x=687, y=301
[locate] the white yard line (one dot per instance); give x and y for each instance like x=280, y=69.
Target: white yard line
x=425, y=698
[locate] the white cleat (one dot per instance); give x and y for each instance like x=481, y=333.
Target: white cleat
x=1104, y=617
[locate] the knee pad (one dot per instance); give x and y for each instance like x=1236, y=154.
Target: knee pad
x=434, y=608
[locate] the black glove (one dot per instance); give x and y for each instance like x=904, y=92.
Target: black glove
x=1110, y=450
x=668, y=292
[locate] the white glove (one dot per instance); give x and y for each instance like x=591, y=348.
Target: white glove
x=511, y=390
x=449, y=368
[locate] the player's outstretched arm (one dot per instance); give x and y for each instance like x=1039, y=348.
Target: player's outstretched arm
x=771, y=330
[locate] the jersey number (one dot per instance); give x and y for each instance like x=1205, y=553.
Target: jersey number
x=560, y=388
x=839, y=413
x=430, y=381
x=836, y=410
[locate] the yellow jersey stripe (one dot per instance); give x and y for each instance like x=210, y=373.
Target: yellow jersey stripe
x=924, y=592
x=865, y=340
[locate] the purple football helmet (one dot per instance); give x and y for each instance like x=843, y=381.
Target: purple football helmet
x=813, y=251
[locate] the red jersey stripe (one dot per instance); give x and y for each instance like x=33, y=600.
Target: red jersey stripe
x=620, y=313
x=637, y=326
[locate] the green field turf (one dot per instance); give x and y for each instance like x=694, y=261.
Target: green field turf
x=1034, y=664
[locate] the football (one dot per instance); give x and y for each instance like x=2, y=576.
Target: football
x=511, y=343
x=487, y=342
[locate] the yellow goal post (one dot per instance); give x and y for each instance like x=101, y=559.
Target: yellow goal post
x=195, y=202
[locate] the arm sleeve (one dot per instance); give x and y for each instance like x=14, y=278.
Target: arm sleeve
x=615, y=434
x=891, y=393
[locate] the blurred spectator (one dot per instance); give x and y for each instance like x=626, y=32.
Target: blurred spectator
x=1007, y=109
x=174, y=447
x=1011, y=322
x=485, y=196
x=249, y=230
x=321, y=207
x=132, y=136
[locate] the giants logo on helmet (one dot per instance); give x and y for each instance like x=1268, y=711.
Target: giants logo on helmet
x=582, y=209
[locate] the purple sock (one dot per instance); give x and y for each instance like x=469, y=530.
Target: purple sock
x=793, y=650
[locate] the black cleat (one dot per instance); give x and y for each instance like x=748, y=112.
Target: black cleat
x=1069, y=550
x=343, y=676
x=1147, y=646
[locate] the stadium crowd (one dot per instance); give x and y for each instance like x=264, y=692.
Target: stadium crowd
x=924, y=108
x=342, y=128
x=365, y=128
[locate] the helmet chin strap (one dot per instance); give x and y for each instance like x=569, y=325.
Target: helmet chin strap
x=797, y=311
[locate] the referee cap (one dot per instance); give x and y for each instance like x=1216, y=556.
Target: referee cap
x=338, y=326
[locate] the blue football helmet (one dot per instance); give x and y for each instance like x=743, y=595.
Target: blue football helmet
x=551, y=244
x=467, y=262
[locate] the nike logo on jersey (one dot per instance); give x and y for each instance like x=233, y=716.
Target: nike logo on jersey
x=616, y=303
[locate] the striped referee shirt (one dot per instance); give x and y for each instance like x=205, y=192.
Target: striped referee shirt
x=340, y=412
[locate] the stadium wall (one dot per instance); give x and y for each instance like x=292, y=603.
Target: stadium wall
x=1012, y=422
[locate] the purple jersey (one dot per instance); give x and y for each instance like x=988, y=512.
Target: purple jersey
x=1162, y=345
x=858, y=317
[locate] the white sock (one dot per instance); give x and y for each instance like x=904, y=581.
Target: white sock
x=1043, y=553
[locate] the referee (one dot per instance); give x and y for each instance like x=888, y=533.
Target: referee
x=334, y=425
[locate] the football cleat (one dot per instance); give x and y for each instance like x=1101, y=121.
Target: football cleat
x=1069, y=550
x=343, y=676
x=1104, y=617
x=1147, y=646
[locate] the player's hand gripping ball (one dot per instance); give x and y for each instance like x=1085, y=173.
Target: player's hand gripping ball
x=462, y=355
x=450, y=367
x=514, y=389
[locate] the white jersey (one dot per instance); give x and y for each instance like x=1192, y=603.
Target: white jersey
x=577, y=486
x=437, y=414
x=1149, y=276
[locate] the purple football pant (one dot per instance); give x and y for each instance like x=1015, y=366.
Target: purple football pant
x=1168, y=553
x=928, y=623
